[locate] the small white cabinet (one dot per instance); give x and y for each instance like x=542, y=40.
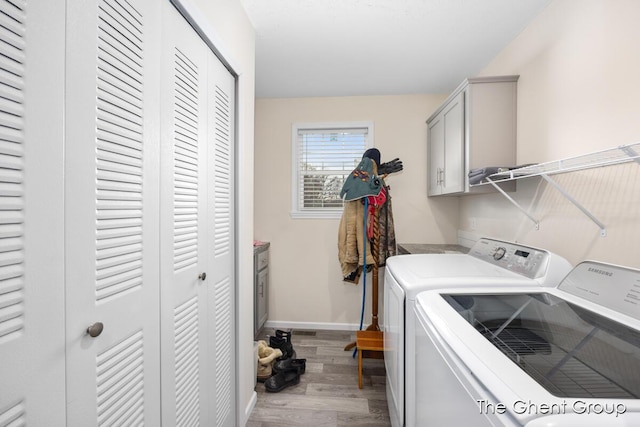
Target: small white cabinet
x=475, y=127
x=260, y=287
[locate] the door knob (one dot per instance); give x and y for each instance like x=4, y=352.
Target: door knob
x=95, y=329
x=202, y=276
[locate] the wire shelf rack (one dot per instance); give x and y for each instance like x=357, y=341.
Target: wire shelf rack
x=611, y=156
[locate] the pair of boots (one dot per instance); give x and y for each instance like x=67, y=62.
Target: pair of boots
x=287, y=369
x=279, y=348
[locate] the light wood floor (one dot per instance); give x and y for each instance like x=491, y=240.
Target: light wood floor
x=328, y=393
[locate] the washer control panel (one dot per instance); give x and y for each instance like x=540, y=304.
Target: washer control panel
x=613, y=286
x=527, y=261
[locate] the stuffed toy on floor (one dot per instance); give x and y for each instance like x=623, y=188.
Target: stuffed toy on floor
x=266, y=358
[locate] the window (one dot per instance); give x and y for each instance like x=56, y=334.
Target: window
x=323, y=157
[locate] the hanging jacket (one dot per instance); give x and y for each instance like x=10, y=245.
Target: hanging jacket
x=351, y=238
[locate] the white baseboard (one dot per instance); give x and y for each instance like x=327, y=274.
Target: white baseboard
x=249, y=408
x=278, y=324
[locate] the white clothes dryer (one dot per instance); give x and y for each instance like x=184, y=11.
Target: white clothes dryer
x=489, y=263
x=531, y=356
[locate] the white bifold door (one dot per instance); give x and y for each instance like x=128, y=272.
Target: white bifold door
x=198, y=346
x=32, y=346
x=149, y=215
x=111, y=212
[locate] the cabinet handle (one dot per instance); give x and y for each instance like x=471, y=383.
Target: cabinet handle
x=442, y=176
x=202, y=276
x=261, y=289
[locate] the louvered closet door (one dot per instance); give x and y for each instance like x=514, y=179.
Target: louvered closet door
x=183, y=234
x=111, y=212
x=31, y=221
x=220, y=250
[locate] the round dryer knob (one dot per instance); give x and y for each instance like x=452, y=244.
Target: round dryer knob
x=499, y=253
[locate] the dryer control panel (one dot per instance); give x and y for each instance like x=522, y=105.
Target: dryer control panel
x=524, y=260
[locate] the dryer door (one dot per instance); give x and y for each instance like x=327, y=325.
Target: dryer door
x=394, y=328
x=446, y=392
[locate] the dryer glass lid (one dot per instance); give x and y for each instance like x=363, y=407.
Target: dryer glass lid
x=570, y=351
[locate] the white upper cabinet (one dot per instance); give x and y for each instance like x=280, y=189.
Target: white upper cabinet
x=474, y=128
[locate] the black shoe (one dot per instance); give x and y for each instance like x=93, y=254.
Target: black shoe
x=285, y=347
x=286, y=335
x=281, y=380
x=296, y=365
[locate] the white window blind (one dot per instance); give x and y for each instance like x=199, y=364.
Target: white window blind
x=324, y=156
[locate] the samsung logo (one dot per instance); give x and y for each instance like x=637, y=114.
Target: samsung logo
x=598, y=271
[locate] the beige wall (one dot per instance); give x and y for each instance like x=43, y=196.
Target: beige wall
x=305, y=278
x=577, y=93
x=236, y=35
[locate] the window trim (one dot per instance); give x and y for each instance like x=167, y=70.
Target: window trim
x=318, y=213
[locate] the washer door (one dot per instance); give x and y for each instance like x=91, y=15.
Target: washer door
x=569, y=350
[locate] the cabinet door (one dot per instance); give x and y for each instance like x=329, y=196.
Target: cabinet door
x=446, y=149
x=436, y=155
x=183, y=216
x=111, y=212
x=454, y=162
x=31, y=206
x=263, y=286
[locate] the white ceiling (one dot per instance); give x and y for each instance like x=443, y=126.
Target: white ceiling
x=378, y=47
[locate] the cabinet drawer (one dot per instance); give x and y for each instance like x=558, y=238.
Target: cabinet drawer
x=263, y=260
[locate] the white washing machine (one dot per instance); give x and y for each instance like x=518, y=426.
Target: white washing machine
x=564, y=356
x=489, y=263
